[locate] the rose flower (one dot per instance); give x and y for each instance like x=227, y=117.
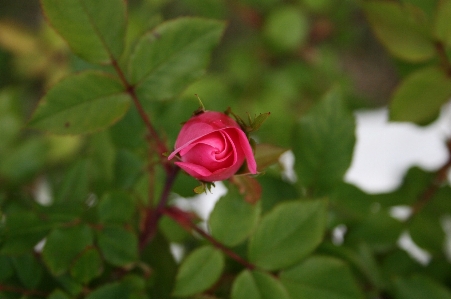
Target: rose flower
x=212, y=147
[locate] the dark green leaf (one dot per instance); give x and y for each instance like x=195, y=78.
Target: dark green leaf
x=420, y=287
x=74, y=187
x=95, y=30
x=420, y=96
x=400, y=30
x=198, y=271
x=233, y=218
x=116, y=207
x=77, y=104
x=58, y=294
x=118, y=245
x=23, y=230
x=172, y=56
x=288, y=234
x=323, y=143
x=258, y=285
x=127, y=169
x=28, y=269
x=87, y=266
x=6, y=266
x=115, y=290
x=321, y=277
x=63, y=245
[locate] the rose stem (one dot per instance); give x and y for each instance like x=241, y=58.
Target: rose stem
x=154, y=214
x=153, y=134
x=184, y=220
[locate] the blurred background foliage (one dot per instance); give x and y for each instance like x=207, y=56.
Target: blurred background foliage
x=278, y=56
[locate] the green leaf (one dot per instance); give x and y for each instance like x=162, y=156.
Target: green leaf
x=115, y=290
x=267, y=155
x=6, y=266
x=23, y=230
x=323, y=144
x=116, y=207
x=74, y=186
x=87, y=266
x=258, y=285
x=95, y=30
x=28, y=270
x=58, y=294
x=419, y=97
x=288, y=234
x=199, y=271
x=118, y=245
x=427, y=232
x=443, y=22
x=321, y=277
x=233, y=218
x=63, y=245
x=400, y=30
x=172, y=56
x=420, y=287
x=81, y=103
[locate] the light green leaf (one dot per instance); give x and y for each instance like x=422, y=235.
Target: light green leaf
x=115, y=207
x=323, y=144
x=118, y=245
x=63, y=245
x=419, y=97
x=258, y=285
x=287, y=234
x=443, y=22
x=400, y=30
x=95, y=30
x=199, y=271
x=81, y=103
x=172, y=56
x=87, y=266
x=233, y=218
x=420, y=287
x=321, y=277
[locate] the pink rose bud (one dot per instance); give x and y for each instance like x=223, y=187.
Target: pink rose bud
x=212, y=147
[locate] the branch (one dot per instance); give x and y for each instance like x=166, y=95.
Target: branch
x=154, y=214
x=153, y=134
x=184, y=220
x=439, y=180
x=12, y=289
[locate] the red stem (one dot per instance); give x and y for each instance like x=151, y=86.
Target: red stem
x=11, y=289
x=154, y=136
x=184, y=220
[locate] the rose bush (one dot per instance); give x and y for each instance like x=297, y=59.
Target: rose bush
x=212, y=147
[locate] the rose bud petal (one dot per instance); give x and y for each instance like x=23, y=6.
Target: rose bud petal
x=212, y=147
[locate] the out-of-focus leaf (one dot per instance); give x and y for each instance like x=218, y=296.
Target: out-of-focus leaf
x=323, y=144
x=443, y=22
x=28, y=269
x=116, y=207
x=6, y=266
x=257, y=285
x=233, y=218
x=118, y=245
x=286, y=28
x=248, y=187
x=267, y=155
x=172, y=56
x=23, y=230
x=321, y=277
x=420, y=96
x=198, y=271
x=95, y=30
x=420, y=287
x=287, y=234
x=63, y=245
x=115, y=290
x=400, y=30
x=74, y=186
x=275, y=190
x=427, y=232
x=81, y=103
x=58, y=294
x=127, y=169
x=87, y=266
